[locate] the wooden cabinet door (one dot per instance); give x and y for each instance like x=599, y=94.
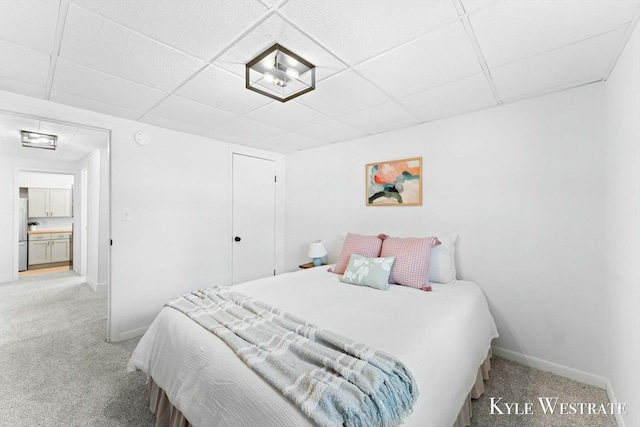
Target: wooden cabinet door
x=39, y=252
x=38, y=202
x=60, y=202
x=60, y=250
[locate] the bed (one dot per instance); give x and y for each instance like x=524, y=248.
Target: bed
x=443, y=336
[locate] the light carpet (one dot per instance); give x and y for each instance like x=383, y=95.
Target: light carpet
x=56, y=368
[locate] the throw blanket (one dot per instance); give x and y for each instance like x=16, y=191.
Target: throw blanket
x=333, y=380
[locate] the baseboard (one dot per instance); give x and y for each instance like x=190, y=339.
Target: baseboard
x=96, y=287
x=612, y=398
x=6, y=278
x=132, y=333
x=565, y=371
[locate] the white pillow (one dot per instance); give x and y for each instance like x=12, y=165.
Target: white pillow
x=443, y=265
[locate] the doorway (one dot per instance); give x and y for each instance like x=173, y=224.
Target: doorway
x=79, y=147
x=45, y=221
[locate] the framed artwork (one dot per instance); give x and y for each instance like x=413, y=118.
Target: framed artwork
x=395, y=183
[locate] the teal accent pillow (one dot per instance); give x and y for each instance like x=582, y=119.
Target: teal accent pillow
x=372, y=272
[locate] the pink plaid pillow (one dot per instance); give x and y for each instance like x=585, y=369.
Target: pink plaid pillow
x=367, y=246
x=413, y=256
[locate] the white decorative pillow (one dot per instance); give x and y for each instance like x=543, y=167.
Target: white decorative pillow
x=443, y=264
x=372, y=272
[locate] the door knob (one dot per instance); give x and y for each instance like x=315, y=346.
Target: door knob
x=237, y=239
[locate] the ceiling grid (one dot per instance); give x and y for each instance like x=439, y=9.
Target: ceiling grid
x=180, y=65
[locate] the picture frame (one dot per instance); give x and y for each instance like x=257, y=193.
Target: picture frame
x=394, y=182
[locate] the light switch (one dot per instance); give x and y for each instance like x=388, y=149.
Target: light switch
x=126, y=214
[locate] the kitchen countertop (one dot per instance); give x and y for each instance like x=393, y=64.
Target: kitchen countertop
x=49, y=231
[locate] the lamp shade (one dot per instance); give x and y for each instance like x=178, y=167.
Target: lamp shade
x=316, y=249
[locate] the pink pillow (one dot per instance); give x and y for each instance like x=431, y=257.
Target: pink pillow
x=367, y=246
x=413, y=256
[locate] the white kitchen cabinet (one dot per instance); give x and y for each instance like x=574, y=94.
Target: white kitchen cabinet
x=50, y=248
x=38, y=202
x=50, y=202
x=39, y=252
x=61, y=250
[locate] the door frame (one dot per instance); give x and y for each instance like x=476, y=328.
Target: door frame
x=279, y=161
x=76, y=173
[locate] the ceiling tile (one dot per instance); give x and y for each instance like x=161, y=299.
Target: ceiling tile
x=353, y=92
x=292, y=141
x=93, y=105
x=74, y=142
x=223, y=90
x=191, y=112
x=512, y=30
x=249, y=129
x=28, y=89
x=588, y=60
x=380, y=118
x=29, y=23
x=330, y=131
x=87, y=83
x=361, y=29
x=442, y=56
x=164, y=122
x=261, y=145
x=276, y=30
x=23, y=64
x=468, y=94
x=200, y=28
x=289, y=115
x=221, y=136
x=104, y=46
x=475, y=5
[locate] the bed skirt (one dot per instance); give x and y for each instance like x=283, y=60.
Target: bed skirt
x=168, y=415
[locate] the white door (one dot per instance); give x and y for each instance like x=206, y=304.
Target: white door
x=254, y=205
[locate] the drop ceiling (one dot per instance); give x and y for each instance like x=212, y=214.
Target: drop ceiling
x=74, y=142
x=381, y=65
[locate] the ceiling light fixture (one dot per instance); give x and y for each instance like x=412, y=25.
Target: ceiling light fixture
x=280, y=74
x=38, y=140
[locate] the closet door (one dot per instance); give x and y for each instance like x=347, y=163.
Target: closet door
x=253, y=218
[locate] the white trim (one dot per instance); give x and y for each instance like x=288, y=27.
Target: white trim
x=131, y=334
x=98, y=288
x=565, y=371
x=612, y=398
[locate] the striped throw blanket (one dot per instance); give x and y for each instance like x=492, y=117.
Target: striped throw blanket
x=333, y=380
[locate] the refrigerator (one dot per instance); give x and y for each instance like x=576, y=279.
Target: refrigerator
x=23, y=243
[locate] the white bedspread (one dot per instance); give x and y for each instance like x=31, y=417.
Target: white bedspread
x=441, y=336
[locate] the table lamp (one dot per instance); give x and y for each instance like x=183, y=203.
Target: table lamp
x=317, y=251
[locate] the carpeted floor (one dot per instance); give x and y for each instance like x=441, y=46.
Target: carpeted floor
x=516, y=383
x=56, y=368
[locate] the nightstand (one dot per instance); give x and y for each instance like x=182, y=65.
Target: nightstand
x=308, y=265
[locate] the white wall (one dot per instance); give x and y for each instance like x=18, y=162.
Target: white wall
x=93, y=222
x=45, y=180
x=177, y=190
x=522, y=184
x=622, y=244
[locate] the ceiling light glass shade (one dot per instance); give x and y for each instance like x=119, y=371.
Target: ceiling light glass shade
x=280, y=74
x=38, y=140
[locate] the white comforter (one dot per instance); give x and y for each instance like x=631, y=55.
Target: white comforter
x=442, y=337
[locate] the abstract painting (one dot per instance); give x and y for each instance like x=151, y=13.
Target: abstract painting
x=395, y=183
